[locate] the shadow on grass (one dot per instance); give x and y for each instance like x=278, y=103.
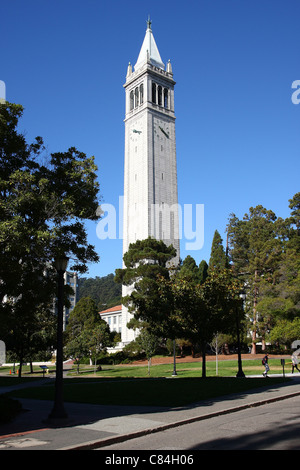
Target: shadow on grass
x=90, y=400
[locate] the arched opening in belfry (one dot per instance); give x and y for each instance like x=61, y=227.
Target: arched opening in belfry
x=131, y=100
x=166, y=97
x=136, y=97
x=159, y=95
x=141, y=94
x=154, y=93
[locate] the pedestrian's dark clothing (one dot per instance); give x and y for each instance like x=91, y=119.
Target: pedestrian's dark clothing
x=265, y=363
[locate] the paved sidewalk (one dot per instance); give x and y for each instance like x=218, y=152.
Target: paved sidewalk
x=96, y=426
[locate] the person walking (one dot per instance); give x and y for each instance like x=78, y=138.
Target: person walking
x=265, y=363
x=294, y=363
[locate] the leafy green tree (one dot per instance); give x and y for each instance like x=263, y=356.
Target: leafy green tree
x=100, y=338
x=285, y=332
x=294, y=205
x=17, y=175
x=84, y=316
x=280, y=300
x=148, y=343
x=200, y=311
x=203, y=271
x=217, y=255
x=43, y=207
x=290, y=268
x=255, y=251
x=191, y=273
x=181, y=345
x=28, y=322
x=189, y=270
x=265, y=252
x=86, y=333
x=144, y=261
x=78, y=347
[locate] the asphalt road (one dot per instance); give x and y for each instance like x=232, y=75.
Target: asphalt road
x=273, y=426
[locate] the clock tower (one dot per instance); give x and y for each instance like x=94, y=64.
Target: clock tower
x=150, y=170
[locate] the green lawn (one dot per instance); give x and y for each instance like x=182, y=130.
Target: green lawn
x=147, y=392
x=227, y=368
x=130, y=385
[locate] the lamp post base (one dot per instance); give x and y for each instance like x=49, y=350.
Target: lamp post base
x=240, y=374
x=56, y=419
x=58, y=416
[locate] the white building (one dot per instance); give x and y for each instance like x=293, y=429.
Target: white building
x=113, y=317
x=150, y=169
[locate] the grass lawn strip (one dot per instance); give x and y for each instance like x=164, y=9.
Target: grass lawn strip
x=147, y=392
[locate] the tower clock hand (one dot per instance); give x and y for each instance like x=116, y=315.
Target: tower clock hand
x=164, y=132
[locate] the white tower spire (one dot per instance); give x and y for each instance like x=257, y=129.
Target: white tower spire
x=149, y=50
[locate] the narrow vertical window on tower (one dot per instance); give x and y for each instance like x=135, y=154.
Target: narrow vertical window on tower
x=136, y=97
x=131, y=101
x=159, y=95
x=166, y=98
x=153, y=92
x=141, y=94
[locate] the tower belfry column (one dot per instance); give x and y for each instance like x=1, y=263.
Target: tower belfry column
x=150, y=169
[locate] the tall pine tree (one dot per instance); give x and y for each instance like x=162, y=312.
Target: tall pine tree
x=255, y=251
x=217, y=259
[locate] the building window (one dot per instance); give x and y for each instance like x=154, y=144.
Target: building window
x=141, y=94
x=153, y=92
x=131, y=100
x=166, y=97
x=159, y=95
x=136, y=98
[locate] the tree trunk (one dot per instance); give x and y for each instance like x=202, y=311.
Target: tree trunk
x=20, y=366
x=203, y=361
x=253, y=350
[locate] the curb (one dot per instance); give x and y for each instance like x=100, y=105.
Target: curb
x=125, y=437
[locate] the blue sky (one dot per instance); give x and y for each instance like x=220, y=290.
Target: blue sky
x=234, y=62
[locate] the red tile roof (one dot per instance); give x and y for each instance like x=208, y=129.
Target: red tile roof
x=117, y=308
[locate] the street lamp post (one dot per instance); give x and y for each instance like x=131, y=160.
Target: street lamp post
x=58, y=412
x=240, y=372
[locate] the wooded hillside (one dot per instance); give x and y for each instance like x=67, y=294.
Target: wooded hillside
x=103, y=290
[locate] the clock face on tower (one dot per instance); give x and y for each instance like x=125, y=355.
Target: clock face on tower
x=136, y=131
x=161, y=129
